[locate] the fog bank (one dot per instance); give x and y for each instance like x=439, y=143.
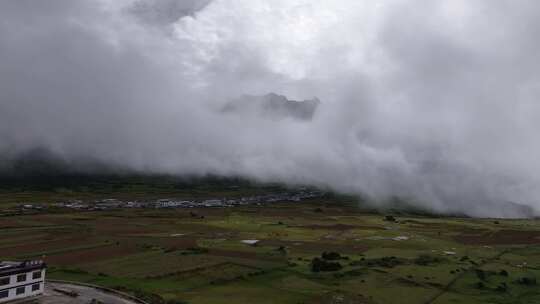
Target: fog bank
x=434, y=101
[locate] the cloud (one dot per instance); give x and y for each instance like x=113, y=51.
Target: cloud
x=165, y=12
x=435, y=101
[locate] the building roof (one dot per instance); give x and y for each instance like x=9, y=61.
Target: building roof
x=10, y=268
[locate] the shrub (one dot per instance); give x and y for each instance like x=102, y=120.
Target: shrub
x=528, y=281
x=425, y=259
x=390, y=218
x=480, y=274
x=387, y=262
x=331, y=256
x=502, y=287
x=318, y=264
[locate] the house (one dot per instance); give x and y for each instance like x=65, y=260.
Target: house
x=250, y=242
x=169, y=203
x=212, y=203
x=21, y=279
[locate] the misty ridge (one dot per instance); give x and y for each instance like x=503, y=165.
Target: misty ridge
x=273, y=106
x=436, y=105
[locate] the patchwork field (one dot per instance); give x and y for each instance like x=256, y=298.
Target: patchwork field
x=311, y=252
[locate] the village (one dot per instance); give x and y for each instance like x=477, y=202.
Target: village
x=113, y=203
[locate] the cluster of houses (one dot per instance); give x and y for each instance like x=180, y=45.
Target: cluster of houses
x=106, y=204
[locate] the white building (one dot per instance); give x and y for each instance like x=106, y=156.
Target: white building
x=167, y=203
x=21, y=279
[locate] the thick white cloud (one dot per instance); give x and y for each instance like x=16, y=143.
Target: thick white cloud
x=434, y=100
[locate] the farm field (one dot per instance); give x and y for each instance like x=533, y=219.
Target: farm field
x=310, y=252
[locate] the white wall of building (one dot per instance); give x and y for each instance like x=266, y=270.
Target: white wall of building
x=28, y=284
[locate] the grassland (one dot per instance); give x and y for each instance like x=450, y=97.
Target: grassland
x=171, y=256
x=168, y=255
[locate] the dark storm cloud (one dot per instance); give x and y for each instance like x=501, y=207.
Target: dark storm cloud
x=432, y=100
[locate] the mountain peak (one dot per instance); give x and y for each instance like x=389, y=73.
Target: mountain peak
x=273, y=106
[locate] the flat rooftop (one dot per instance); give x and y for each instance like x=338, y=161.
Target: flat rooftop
x=10, y=267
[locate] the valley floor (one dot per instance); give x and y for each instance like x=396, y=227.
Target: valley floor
x=309, y=252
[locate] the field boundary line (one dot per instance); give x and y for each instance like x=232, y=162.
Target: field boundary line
x=101, y=288
x=201, y=268
x=65, y=250
x=462, y=274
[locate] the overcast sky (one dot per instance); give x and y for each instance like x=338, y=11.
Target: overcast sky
x=431, y=100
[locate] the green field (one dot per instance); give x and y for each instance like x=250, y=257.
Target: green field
x=170, y=256
x=326, y=250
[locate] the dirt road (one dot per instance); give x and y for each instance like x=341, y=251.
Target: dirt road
x=85, y=295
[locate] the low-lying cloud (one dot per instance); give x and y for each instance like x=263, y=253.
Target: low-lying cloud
x=429, y=100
